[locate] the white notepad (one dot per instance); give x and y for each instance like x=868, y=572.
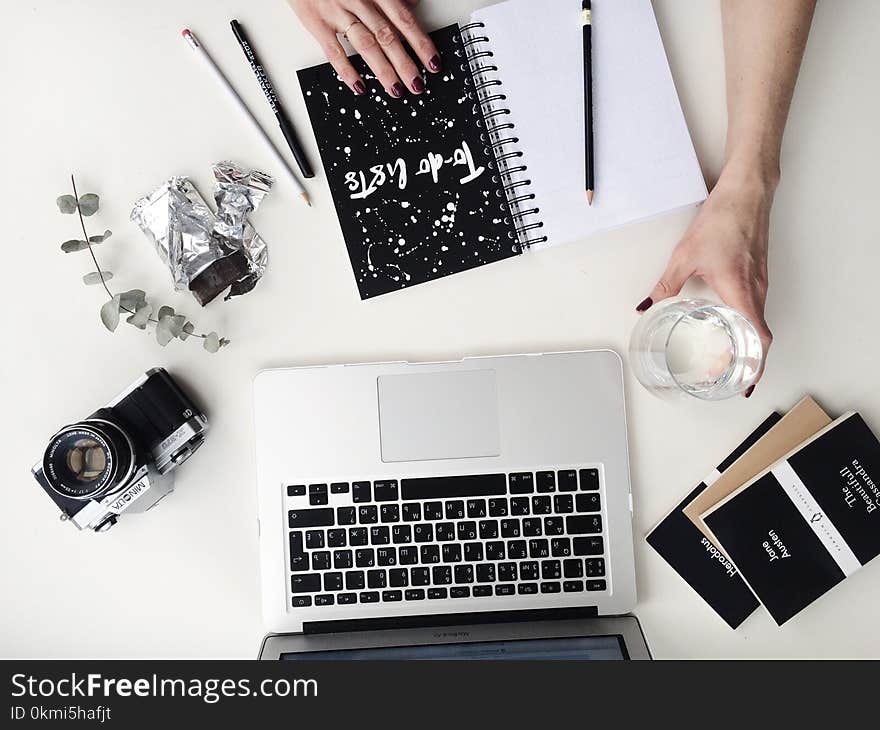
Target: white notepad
x=645, y=162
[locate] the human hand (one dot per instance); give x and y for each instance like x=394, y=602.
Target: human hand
x=726, y=246
x=374, y=28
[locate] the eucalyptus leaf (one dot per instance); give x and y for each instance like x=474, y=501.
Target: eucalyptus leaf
x=74, y=245
x=101, y=237
x=165, y=311
x=88, y=204
x=186, y=331
x=163, y=331
x=212, y=342
x=175, y=324
x=93, y=277
x=66, y=204
x=140, y=318
x=133, y=299
x=110, y=313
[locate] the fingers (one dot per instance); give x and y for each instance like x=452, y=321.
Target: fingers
x=399, y=12
x=748, y=298
x=669, y=285
x=374, y=29
x=335, y=53
x=388, y=41
x=365, y=43
x=325, y=34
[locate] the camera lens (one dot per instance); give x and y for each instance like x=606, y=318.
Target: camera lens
x=88, y=459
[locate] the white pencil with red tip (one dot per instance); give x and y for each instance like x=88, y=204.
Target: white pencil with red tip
x=194, y=43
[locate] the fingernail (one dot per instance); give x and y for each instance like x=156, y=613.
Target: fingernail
x=645, y=304
x=749, y=391
x=434, y=63
x=418, y=85
x=397, y=90
x=359, y=88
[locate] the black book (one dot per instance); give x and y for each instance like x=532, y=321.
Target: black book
x=696, y=559
x=809, y=521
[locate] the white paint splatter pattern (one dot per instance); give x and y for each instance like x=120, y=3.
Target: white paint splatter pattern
x=397, y=237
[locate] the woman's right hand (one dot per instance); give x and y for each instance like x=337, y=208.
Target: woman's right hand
x=726, y=246
x=374, y=28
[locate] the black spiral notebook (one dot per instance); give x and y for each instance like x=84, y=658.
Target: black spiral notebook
x=487, y=162
x=417, y=192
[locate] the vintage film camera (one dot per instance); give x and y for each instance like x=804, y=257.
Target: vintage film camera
x=121, y=457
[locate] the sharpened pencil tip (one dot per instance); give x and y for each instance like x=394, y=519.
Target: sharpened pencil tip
x=589, y=197
x=305, y=196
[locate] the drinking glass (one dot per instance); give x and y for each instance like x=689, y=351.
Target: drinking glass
x=695, y=347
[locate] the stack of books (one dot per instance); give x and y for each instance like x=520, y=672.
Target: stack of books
x=787, y=516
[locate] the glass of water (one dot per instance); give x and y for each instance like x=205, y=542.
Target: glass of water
x=695, y=347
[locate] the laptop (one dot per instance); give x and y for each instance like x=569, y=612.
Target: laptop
x=489, y=494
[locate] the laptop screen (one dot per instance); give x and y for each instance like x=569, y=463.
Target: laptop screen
x=580, y=649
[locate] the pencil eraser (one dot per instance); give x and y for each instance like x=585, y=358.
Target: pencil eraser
x=189, y=37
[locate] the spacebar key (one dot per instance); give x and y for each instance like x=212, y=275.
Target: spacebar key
x=476, y=485
x=311, y=517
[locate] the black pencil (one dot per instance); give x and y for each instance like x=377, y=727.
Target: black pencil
x=262, y=77
x=587, y=20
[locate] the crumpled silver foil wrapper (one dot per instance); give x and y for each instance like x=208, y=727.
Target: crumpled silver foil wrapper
x=208, y=253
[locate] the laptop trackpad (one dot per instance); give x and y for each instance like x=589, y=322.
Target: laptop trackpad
x=443, y=415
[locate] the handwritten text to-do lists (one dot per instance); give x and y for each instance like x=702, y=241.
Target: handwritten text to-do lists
x=362, y=184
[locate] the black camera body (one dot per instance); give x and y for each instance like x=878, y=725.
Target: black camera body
x=120, y=458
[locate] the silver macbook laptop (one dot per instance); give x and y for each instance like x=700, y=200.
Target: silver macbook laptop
x=487, y=492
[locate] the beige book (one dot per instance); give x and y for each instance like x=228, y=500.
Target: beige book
x=800, y=423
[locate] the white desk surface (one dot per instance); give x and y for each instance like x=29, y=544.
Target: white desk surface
x=110, y=90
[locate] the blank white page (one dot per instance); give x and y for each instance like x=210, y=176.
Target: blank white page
x=645, y=162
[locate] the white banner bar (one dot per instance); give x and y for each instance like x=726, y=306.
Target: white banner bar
x=816, y=518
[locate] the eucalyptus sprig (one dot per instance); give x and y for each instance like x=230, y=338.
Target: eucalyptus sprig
x=168, y=324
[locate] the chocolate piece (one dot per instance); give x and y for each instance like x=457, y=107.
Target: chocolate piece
x=219, y=276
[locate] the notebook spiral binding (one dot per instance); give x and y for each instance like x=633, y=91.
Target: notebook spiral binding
x=497, y=134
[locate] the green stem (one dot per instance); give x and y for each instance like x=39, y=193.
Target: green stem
x=82, y=224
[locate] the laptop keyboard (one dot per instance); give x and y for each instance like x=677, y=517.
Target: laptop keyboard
x=453, y=537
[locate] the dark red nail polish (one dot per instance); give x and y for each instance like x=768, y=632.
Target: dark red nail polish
x=434, y=63
x=359, y=88
x=418, y=85
x=749, y=391
x=397, y=90
x=645, y=304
